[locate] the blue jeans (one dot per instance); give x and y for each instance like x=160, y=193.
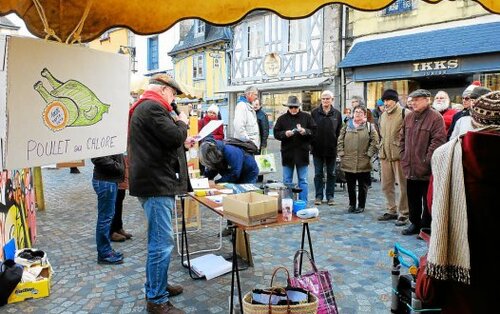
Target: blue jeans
x=319, y=184
x=106, y=198
x=158, y=211
x=302, y=177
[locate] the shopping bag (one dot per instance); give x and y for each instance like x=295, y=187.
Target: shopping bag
x=318, y=282
x=266, y=163
x=280, y=300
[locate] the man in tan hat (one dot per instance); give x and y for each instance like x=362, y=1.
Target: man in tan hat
x=158, y=172
x=295, y=130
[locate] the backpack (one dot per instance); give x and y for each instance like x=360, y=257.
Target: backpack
x=247, y=145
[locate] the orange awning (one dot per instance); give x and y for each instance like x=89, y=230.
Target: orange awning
x=90, y=18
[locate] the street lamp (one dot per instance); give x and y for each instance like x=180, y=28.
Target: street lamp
x=129, y=50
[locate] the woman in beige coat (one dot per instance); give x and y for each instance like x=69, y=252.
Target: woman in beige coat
x=358, y=142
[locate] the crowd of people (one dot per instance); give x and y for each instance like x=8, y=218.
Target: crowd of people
x=428, y=174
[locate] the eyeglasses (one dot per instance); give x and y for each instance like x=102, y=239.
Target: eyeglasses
x=359, y=112
x=466, y=98
x=293, y=107
x=326, y=98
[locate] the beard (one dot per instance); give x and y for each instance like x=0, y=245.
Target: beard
x=441, y=105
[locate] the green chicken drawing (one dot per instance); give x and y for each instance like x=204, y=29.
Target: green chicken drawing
x=69, y=104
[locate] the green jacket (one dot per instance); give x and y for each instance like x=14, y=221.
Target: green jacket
x=356, y=147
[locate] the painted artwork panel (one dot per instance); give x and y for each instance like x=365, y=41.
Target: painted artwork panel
x=17, y=209
x=64, y=103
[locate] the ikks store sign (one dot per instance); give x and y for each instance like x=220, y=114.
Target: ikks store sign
x=440, y=67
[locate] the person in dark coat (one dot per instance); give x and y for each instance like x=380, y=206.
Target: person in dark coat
x=295, y=129
x=158, y=172
x=263, y=122
x=324, y=147
x=108, y=171
x=232, y=163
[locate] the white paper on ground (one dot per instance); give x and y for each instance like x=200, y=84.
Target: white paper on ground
x=210, y=266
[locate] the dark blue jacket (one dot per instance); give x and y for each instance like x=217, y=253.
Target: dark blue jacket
x=263, y=127
x=241, y=167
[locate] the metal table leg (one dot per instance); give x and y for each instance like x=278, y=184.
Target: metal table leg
x=305, y=229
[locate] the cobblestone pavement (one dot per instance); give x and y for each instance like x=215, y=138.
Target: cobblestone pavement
x=353, y=247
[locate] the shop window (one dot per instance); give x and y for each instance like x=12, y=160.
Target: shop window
x=198, y=67
x=376, y=89
x=490, y=80
x=255, y=36
x=399, y=6
x=297, y=35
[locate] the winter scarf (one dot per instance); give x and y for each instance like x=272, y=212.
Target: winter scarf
x=149, y=95
x=449, y=252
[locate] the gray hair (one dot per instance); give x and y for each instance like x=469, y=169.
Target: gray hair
x=359, y=99
x=327, y=92
x=251, y=89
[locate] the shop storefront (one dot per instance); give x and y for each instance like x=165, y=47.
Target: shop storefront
x=437, y=60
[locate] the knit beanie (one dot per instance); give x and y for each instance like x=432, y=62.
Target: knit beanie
x=390, y=94
x=486, y=110
x=213, y=108
x=380, y=102
x=471, y=87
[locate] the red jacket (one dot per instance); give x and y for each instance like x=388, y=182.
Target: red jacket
x=448, y=117
x=218, y=134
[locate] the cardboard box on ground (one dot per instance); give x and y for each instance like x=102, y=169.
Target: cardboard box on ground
x=33, y=290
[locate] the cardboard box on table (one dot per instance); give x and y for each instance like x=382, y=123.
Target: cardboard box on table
x=250, y=209
x=32, y=290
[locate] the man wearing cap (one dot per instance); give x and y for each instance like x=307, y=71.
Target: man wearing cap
x=465, y=213
x=423, y=132
x=391, y=123
x=464, y=124
x=466, y=102
x=324, y=147
x=295, y=130
x=158, y=172
x=245, y=122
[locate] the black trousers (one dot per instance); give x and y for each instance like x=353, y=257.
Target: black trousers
x=417, y=203
x=117, y=223
x=363, y=179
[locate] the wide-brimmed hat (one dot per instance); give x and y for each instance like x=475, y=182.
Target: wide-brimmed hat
x=293, y=101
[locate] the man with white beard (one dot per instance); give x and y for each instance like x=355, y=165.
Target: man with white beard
x=442, y=104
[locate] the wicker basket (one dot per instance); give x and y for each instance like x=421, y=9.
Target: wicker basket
x=305, y=308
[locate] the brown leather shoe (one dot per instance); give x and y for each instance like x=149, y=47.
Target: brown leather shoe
x=163, y=308
x=125, y=234
x=116, y=237
x=174, y=290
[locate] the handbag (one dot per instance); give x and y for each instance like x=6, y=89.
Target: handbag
x=265, y=162
x=10, y=276
x=280, y=295
x=318, y=282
